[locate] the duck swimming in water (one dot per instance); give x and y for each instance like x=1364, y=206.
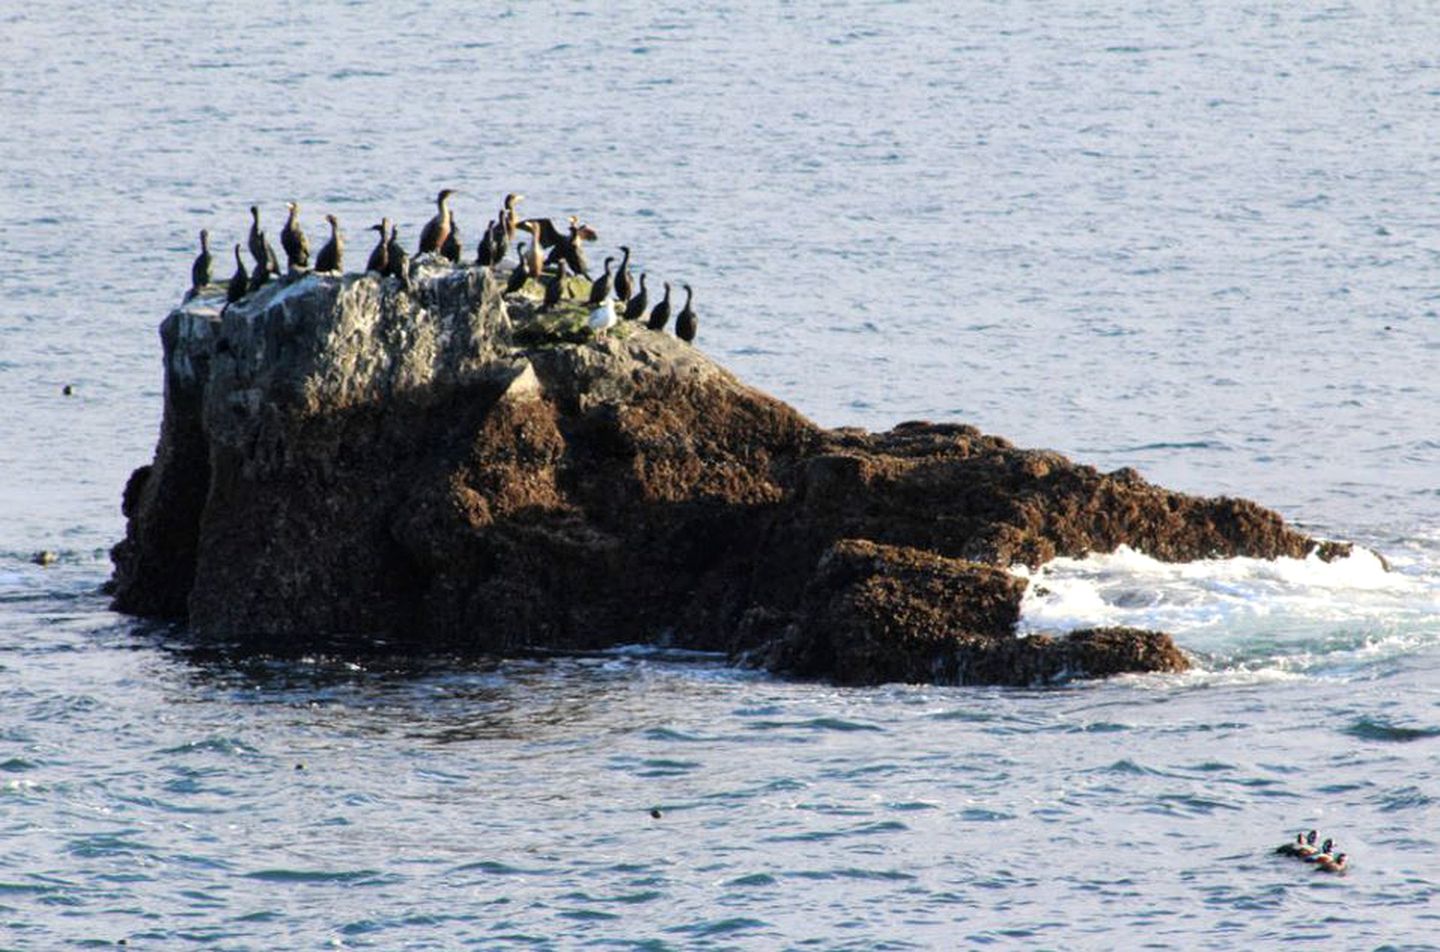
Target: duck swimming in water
x=1291, y=849
x=1331, y=864
x=1314, y=856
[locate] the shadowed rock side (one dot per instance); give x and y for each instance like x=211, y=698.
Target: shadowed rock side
x=343, y=460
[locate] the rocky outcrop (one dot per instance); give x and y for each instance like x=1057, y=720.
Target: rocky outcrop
x=343, y=460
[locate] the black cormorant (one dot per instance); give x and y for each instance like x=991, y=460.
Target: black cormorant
x=380, y=256
x=332, y=255
x=635, y=309
x=239, y=281
x=399, y=260
x=485, y=252
x=293, y=240
x=451, y=249
x=519, y=276
x=623, y=285
x=555, y=291
x=685, y=322
x=661, y=314
x=499, y=240
x=600, y=290
x=203, y=268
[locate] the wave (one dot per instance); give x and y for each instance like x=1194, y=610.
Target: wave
x=1284, y=616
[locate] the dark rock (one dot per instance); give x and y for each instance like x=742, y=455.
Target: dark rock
x=341, y=459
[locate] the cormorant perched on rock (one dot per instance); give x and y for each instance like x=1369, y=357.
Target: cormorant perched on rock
x=499, y=239
x=511, y=218
x=600, y=290
x=239, y=281
x=293, y=240
x=519, y=276
x=623, y=285
x=685, y=323
x=661, y=314
x=203, y=268
x=555, y=291
x=485, y=253
x=380, y=256
x=568, y=248
x=451, y=249
x=602, y=318
x=260, y=249
x=260, y=274
x=537, y=258
x=332, y=255
x=437, y=229
x=399, y=260
x=636, y=308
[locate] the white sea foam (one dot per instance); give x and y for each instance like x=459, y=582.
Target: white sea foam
x=1286, y=613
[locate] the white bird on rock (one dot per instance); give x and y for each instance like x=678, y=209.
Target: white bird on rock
x=603, y=318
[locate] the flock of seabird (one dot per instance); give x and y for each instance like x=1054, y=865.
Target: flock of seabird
x=1325, y=857
x=552, y=254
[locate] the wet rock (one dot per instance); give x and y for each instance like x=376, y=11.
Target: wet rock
x=345, y=460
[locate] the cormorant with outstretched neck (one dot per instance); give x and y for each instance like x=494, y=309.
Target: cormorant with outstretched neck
x=485, y=253
x=332, y=255
x=239, y=281
x=685, y=322
x=260, y=249
x=636, y=308
x=600, y=290
x=519, y=276
x=511, y=218
x=380, y=255
x=555, y=292
x=661, y=314
x=437, y=229
x=399, y=260
x=203, y=268
x=293, y=240
x=622, y=277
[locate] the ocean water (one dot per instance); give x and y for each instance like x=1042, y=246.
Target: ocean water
x=1198, y=239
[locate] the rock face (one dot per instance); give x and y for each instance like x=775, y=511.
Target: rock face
x=342, y=460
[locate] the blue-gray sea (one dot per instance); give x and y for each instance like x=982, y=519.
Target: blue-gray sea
x=1201, y=239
